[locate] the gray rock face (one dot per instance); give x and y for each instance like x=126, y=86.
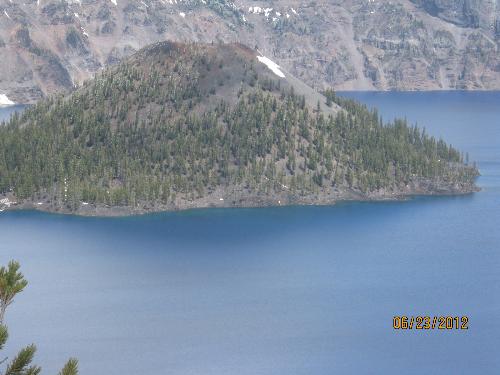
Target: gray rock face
x=464, y=13
x=460, y=12
x=51, y=45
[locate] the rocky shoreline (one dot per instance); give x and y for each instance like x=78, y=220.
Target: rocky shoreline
x=237, y=197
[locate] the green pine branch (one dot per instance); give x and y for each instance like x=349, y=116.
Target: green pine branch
x=13, y=282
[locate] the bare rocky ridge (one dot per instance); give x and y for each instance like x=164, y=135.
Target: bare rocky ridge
x=48, y=46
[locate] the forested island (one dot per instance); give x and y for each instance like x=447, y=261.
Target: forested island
x=181, y=126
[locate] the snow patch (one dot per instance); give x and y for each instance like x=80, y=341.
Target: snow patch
x=259, y=10
x=7, y=14
x=275, y=68
x=4, y=100
x=182, y=14
x=114, y=2
x=6, y=202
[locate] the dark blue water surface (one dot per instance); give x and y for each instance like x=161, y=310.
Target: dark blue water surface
x=297, y=290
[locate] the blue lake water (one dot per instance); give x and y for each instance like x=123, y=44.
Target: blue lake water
x=6, y=112
x=296, y=290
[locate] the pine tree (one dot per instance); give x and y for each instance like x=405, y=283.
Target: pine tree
x=13, y=282
x=330, y=96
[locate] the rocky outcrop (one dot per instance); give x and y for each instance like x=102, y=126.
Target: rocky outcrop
x=52, y=45
x=464, y=13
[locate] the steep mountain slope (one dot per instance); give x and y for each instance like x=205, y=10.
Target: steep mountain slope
x=190, y=125
x=51, y=45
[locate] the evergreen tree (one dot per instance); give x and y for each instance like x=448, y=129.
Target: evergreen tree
x=330, y=96
x=13, y=282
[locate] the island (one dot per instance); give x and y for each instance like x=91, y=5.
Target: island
x=188, y=125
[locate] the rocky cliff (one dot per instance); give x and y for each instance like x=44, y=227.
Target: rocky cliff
x=48, y=46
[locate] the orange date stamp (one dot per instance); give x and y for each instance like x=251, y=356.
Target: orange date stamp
x=430, y=322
